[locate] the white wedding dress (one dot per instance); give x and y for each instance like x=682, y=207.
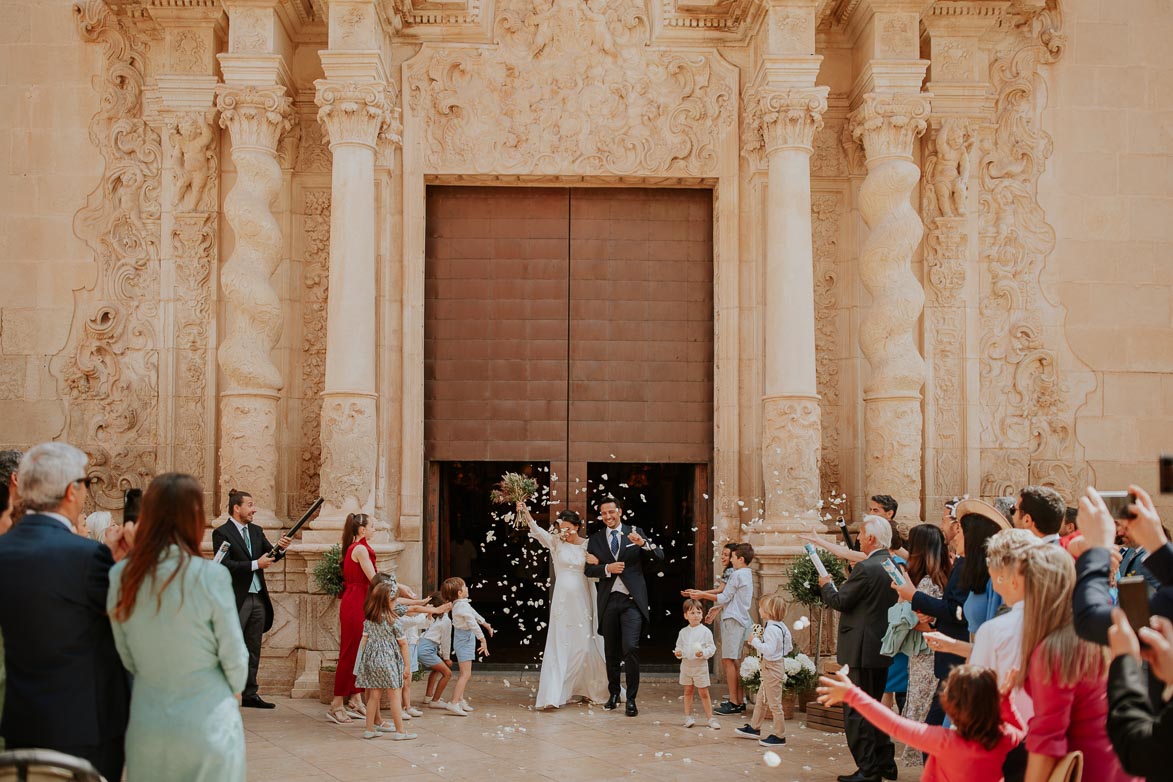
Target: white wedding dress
x=573, y=663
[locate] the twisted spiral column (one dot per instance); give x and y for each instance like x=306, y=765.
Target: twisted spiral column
x=255, y=117
x=888, y=126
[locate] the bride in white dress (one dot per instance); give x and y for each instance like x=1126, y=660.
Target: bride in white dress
x=573, y=664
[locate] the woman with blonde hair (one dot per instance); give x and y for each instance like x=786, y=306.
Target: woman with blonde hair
x=1065, y=676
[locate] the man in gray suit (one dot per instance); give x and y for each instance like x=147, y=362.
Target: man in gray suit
x=863, y=602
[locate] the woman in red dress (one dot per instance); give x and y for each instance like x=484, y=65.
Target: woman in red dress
x=358, y=569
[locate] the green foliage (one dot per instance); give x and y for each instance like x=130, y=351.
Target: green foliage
x=328, y=571
x=514, y=488
x=802, y=580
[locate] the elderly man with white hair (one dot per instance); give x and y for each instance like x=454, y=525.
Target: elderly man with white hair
x=863, y=601
x=67, y=689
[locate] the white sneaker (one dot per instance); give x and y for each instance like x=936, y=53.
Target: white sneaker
x=438, y=704
x=464, y=705
x=689, y=722
x=714, y=724
x=403, y=715
x=454, y=708
x=413, y=711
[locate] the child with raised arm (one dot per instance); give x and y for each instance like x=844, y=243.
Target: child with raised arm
x=466, y=627
x=434, y=650
x=379, y=667
x=415, y=623
x=733, y=603
x=773, y=642
x=694, y=647
x=986, y=725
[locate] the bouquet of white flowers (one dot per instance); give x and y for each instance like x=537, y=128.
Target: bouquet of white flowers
x=514, y=488
x=751, y=673
x=800, y=672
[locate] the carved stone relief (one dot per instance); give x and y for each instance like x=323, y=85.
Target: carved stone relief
x=829, y=158
x=548, y=100
x=1030, y=388
x=349, y=452
x=313, y=154
x=947, y=170
x=825, y=219
x=247, y=28
x=791, y=432
x=315, y=289
x=194, y=243
x=108, y=370
x=193, y=162
x=189, y=53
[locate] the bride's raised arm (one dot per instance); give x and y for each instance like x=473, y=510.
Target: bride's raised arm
x=535, y=530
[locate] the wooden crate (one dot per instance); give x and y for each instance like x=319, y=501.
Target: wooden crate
x=823, y=718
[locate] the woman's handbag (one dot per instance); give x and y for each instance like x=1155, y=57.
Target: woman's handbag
x=1068, y=769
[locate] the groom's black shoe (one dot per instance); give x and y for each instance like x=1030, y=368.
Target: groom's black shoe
x=631, y=709
x=612, y=703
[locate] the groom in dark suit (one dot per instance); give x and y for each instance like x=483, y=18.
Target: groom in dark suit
x=619, y=551
x=246, y=560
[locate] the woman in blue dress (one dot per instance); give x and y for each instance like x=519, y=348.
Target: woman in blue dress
x=177, y=630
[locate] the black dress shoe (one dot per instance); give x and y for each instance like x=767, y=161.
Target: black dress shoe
x=858, y=776
x=631, y=709
x=255, y=702
x=889, y=771
x=612, y=703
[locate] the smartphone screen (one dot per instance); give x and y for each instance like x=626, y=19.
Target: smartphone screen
x=1118, y=502
x=1134, y=600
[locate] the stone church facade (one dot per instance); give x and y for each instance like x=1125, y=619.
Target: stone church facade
x=940, y=238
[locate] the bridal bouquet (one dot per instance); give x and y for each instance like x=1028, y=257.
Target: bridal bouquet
x=512, y=489
x=751, y=673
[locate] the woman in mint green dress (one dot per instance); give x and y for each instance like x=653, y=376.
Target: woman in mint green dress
x=177, y=630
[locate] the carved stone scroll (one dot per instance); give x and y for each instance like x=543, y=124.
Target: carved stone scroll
x=108, y=370
x=315, y=289
x=1030, y=386
x=572, y=88
x=256, y=117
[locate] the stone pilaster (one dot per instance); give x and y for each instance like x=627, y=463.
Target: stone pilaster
x=185, y=88
x=888, y=125
x=255, y=117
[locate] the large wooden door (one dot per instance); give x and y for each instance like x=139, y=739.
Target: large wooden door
x=566, y=328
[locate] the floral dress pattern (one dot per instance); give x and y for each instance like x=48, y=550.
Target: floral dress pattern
x=381, y=665
x=921, y=683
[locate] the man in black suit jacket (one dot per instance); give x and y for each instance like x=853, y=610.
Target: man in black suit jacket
x=67, y=689
x=623, y=608
x=863, y=602
x=246, y=560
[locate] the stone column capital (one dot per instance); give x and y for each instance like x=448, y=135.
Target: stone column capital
x=359, y=113
x=889, y=124
x=256, y=117
x=786, y=118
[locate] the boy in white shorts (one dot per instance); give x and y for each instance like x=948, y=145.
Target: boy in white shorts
x=694, y=647
x=732, y=605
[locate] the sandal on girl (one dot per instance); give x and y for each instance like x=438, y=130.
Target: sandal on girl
x=338, y=716
x=402, y=736
x=371, y=734
x=386, y=727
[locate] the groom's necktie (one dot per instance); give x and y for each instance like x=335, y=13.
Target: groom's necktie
x=615, y=543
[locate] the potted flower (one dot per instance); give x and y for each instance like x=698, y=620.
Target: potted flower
x=751, y=676
x=802, y=581
x=326, y=682
x=801, y=678
x=328, y=571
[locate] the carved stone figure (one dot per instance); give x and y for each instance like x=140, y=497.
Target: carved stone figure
x=191, y=140
x=947, y=170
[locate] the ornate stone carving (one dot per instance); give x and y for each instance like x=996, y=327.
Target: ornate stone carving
x=313, y=154
x=349, y=452
x=193, y=160
x=256, y=118
x=792, y=27
x=247, y=28
x=360, y=113
x=952, y=63
x=188, y=53
x=829, y=158
x=784, y=119
x=791, y=434
x=825, y=216
x=315, y=289
x=548, y=99
x=945, y=259
x=108, y=369
x=193, y=243
x=1028, y=401
x=888, y=125
x=898, y=36
x=947, y=170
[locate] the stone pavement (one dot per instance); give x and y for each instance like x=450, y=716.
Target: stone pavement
x=506, y=740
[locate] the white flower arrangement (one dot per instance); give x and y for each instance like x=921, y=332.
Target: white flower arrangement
x=751, y=666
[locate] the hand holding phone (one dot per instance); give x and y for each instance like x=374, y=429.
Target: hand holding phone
x=1134, y=601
